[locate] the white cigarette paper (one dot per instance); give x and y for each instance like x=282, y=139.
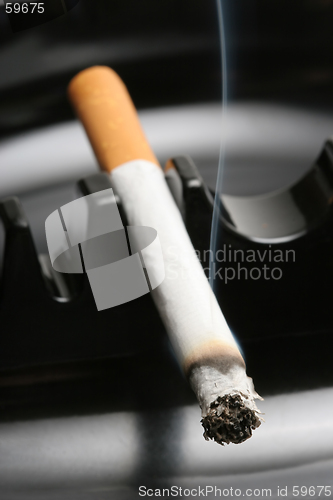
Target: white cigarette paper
x=200, y=336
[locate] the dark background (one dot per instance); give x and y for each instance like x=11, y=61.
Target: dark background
x=64, y=425
x=168, y=53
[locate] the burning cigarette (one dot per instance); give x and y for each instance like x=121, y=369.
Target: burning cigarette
x=203, y=343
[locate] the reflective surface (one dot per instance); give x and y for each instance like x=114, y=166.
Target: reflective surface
x=111, y=455
x=288, y=213
x=101, y=430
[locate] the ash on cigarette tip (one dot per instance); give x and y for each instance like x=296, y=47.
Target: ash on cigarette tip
x=229, y=420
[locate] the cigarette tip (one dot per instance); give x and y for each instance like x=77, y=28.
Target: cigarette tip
x=230, y=420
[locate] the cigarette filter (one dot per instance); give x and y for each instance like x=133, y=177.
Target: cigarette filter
x=201, y=338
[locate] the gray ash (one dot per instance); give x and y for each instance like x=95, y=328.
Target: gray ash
x=229, y=420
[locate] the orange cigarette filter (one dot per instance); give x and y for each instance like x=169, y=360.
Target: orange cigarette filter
x=104, y=106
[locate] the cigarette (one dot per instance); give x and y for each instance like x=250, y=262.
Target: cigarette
x=201, y=338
